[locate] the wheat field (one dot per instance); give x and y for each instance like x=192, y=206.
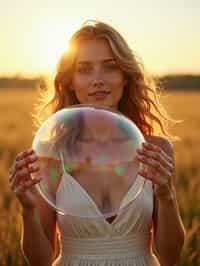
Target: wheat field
x=16, y=136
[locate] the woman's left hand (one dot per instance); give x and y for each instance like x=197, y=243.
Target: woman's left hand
x=160, y=169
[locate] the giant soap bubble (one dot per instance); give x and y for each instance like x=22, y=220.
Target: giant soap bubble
x=87, y=161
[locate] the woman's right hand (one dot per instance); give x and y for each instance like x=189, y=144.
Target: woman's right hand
x=21, y=181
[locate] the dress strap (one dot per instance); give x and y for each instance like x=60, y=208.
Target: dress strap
x=62, y=162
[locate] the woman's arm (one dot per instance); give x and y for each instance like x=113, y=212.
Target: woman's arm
x=39, y=220
x=169, y=233
x=38, y=235
x=39, y=223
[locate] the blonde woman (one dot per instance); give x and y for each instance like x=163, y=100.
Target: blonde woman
x=99, y=67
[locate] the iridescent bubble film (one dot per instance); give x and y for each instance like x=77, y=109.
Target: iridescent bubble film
x=87, y=161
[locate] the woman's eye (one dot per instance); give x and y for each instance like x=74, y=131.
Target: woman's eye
x=84, y=69
x=88, y=69
x=111, y=66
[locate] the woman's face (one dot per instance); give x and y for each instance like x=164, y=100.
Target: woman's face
x=97, y=79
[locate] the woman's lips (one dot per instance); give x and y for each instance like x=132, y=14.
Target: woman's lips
x=100, y=95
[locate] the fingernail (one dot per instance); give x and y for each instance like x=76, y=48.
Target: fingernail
x=145, y=144
x=34, y=156
x=35, y=167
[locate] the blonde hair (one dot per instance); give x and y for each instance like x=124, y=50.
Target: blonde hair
x=141, y=98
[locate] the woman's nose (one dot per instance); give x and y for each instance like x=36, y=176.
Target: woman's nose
x=98, y=83
x=98, y=79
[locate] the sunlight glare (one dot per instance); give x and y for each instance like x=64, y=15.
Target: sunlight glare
x=54, y=41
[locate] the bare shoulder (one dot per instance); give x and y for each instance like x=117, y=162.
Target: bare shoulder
x=164, y=143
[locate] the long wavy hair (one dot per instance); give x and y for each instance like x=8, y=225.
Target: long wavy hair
x=141, y=99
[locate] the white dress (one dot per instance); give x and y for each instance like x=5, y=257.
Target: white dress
x=126, y=241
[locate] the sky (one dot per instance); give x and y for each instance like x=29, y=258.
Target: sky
x=163, y=33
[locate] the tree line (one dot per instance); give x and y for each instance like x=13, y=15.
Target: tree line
x=172, y=82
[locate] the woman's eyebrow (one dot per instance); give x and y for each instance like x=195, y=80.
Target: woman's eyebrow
x=86, y=62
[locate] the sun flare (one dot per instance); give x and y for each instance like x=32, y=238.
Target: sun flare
x=53, y=42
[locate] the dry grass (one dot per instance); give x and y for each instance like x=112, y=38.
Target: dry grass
x=15, y=136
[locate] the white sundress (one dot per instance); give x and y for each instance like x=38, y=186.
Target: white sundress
x=126, y=241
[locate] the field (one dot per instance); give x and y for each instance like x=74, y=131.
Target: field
x=15, y=136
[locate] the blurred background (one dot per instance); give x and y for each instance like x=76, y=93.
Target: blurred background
x=163, y=33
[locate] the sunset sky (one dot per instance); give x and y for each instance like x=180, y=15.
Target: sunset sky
x=164, y=33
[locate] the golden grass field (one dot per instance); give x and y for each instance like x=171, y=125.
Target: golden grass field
x=16, y=136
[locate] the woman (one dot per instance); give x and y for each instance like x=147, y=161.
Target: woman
x=99, y=67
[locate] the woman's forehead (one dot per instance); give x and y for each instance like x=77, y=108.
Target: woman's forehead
x=90, y=61
x=94, y=50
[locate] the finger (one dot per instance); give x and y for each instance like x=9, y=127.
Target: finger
x=26, y=185
x=10, y=170
x=21, y=163
x=159, y=179
x=156, y=156
x=17, y=176
x=21, y=155
x=11, y=175
x=25, y=161
x=157, y=149
x=158, y=169
x=23, y=174
x=151, y=162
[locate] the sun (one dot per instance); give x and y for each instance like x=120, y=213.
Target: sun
x=53, y=42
